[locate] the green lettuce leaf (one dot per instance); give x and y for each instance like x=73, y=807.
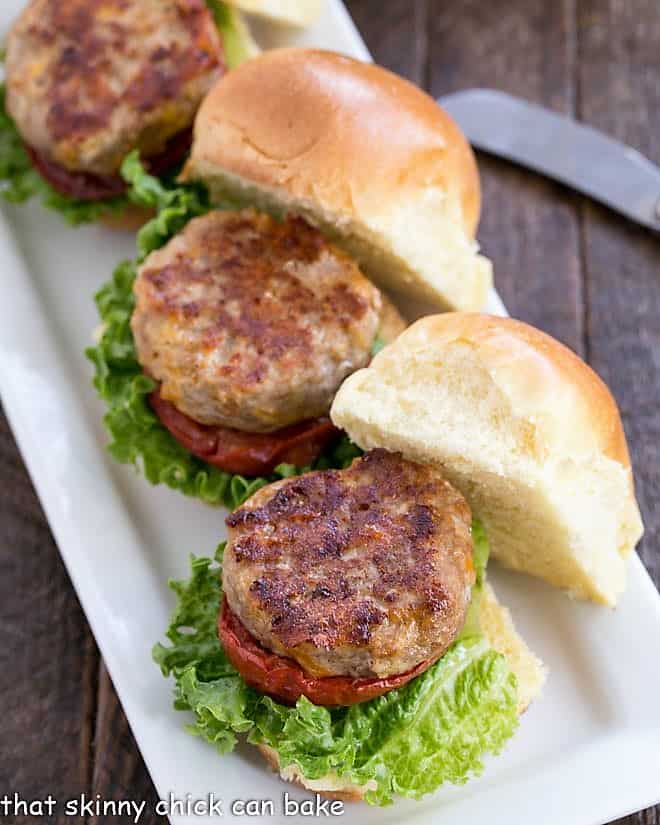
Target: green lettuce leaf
x=377, y=345
x=174, y=204
x=19, y=181
x=480, y=553
x=137, y=436
x=236, y=40
x=435, y=729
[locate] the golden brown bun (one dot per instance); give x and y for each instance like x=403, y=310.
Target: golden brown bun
x=361, y=153
x=291, y=12
x=333, y=787
x=500, y=631
x=523, y=427
x=132, y=218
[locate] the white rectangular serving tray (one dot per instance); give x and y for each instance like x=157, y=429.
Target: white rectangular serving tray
x=586, y=752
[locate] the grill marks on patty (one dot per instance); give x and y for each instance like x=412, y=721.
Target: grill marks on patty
x=285, y=600
x=89, y=80
x=341, y=529
x=376, y=558
x=83, y=72
x=241, y=305
x=251, y=323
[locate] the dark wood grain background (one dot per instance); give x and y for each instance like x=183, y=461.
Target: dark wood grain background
x=561, y=262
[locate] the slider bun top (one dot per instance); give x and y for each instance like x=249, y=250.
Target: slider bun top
x=523, y=428
x=361, y=153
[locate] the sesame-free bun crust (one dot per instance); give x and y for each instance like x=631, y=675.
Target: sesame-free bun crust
x=523, y=427
x=361, y=153
x=498, y=627
x=330, y=786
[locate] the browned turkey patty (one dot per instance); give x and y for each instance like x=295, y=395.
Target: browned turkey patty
x=90, y=80
x=363, y=572
x=252, y=323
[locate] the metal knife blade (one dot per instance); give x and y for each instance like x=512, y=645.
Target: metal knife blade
x=577, y=155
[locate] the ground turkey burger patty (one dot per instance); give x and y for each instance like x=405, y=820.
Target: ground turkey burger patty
x=250, y=323
x=90, y=80
x=364, y=572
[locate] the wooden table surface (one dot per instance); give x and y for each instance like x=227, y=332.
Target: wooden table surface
x=561, y=262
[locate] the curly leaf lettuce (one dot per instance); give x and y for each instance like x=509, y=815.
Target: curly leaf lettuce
x=137, y=436
x=174, y=205
x=435, y=729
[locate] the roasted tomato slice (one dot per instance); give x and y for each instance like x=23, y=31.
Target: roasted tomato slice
x=79, y=185
x=87, y=187
x=284, y=680
x=250, y=454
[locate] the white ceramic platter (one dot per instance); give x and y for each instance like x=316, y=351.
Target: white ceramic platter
x=586, y=752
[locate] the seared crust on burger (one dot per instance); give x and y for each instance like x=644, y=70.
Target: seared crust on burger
x=251, y=323
x=363, y=572
x=90, y=80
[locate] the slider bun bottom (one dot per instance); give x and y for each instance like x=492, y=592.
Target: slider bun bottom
x=500, y=631
x=331, y=787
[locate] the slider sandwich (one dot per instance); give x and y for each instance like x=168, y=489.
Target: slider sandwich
x=348, y=630
x=315, y=185
x=89, y=82
x=525, y=429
